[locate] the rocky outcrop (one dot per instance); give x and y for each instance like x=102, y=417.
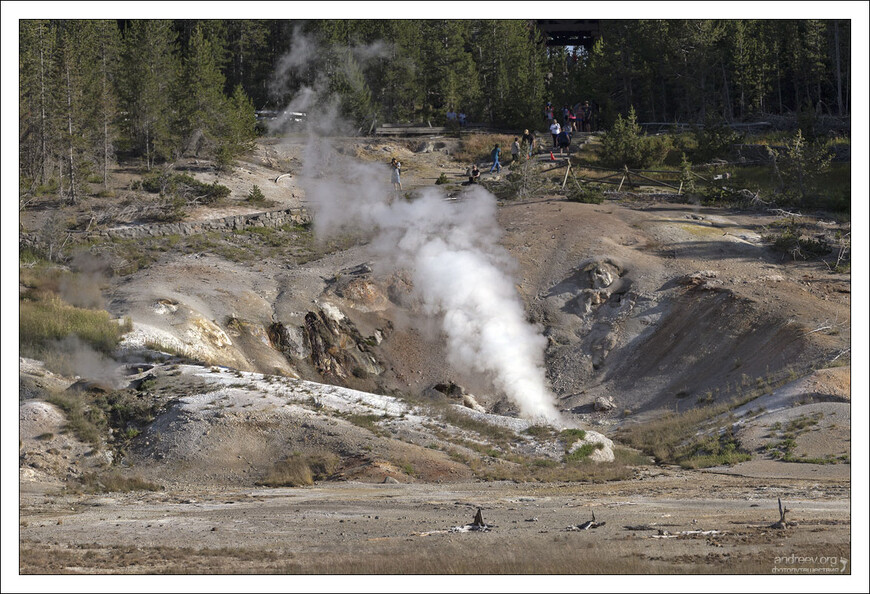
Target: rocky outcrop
x=457, y=392
x=603, y=404
x=601, y=447
x=274, y=218
x=337, y=349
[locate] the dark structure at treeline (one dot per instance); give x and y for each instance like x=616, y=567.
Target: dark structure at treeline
x=92, y=89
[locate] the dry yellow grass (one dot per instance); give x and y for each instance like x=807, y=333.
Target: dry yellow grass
x=476, y=148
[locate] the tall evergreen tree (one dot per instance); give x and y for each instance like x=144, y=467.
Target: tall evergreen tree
x=103, y=92
x=37, y=86
x=509, y=58
x=75, y=47
x=201, y=97
x=148, y=83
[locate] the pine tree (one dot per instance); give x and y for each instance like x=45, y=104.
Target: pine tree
x=75, y=44
x=104, y=103
x=250, y=60
x=510, y=59
x=147, y=88
x=201, y=99
x=37, y=134
x=239, y=128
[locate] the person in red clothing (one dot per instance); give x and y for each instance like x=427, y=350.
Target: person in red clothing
x=572, y=120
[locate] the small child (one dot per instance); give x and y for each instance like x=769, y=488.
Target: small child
x=515, y=150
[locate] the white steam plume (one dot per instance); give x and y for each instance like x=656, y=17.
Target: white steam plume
x=451, y=250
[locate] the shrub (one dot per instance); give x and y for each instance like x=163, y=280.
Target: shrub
x=86, y=421
x=570, y=436
x=585, y=193
x=256, y=195
x=524, y=180
x=714, y=139
x=299, y=470
x=799, y=165
x=790, y=242
x=540, y=431
x=687, y=179
x=114, y=481
x=224, y=157
x=293, y=471
x=442, y=179
x=183, y=186
x=625, y=144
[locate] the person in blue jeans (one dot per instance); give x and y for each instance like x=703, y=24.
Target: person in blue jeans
x=495, y=164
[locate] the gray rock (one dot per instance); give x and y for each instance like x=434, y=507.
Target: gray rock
x=604, y=403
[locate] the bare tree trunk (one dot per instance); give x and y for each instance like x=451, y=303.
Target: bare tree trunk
x=106, y=155
x=779, y=88
x=69, y=119
x=729, y=113
x=664, y=100
x=848, y=83
x=837, y=61
x=105, y=126
x=42, y=124
x=147, y=147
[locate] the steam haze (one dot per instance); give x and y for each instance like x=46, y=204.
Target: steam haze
x=450, y=249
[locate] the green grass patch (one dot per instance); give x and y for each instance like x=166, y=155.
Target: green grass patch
x=86, y=421
x=541, y=431
x=670, y=438
x=48, y=320
x=90, y=415
x=583, y=452
x=713, y=451
x=570, y=436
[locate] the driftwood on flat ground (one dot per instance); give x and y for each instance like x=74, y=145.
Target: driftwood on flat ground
x=782, y=524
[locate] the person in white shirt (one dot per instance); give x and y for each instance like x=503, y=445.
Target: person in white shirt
x=396, y=167
x=555, y=129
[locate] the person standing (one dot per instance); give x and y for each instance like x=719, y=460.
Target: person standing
x=527, y=142
x=515, y=150
x=496, y=151
x=396, y=167
x=587, y=117
x=555, y=129
x=548, y=112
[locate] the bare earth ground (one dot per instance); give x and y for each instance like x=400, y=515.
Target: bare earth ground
x=659, y=337
x=370, y=528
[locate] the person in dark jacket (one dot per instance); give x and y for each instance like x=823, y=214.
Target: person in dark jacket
x=564, y=140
